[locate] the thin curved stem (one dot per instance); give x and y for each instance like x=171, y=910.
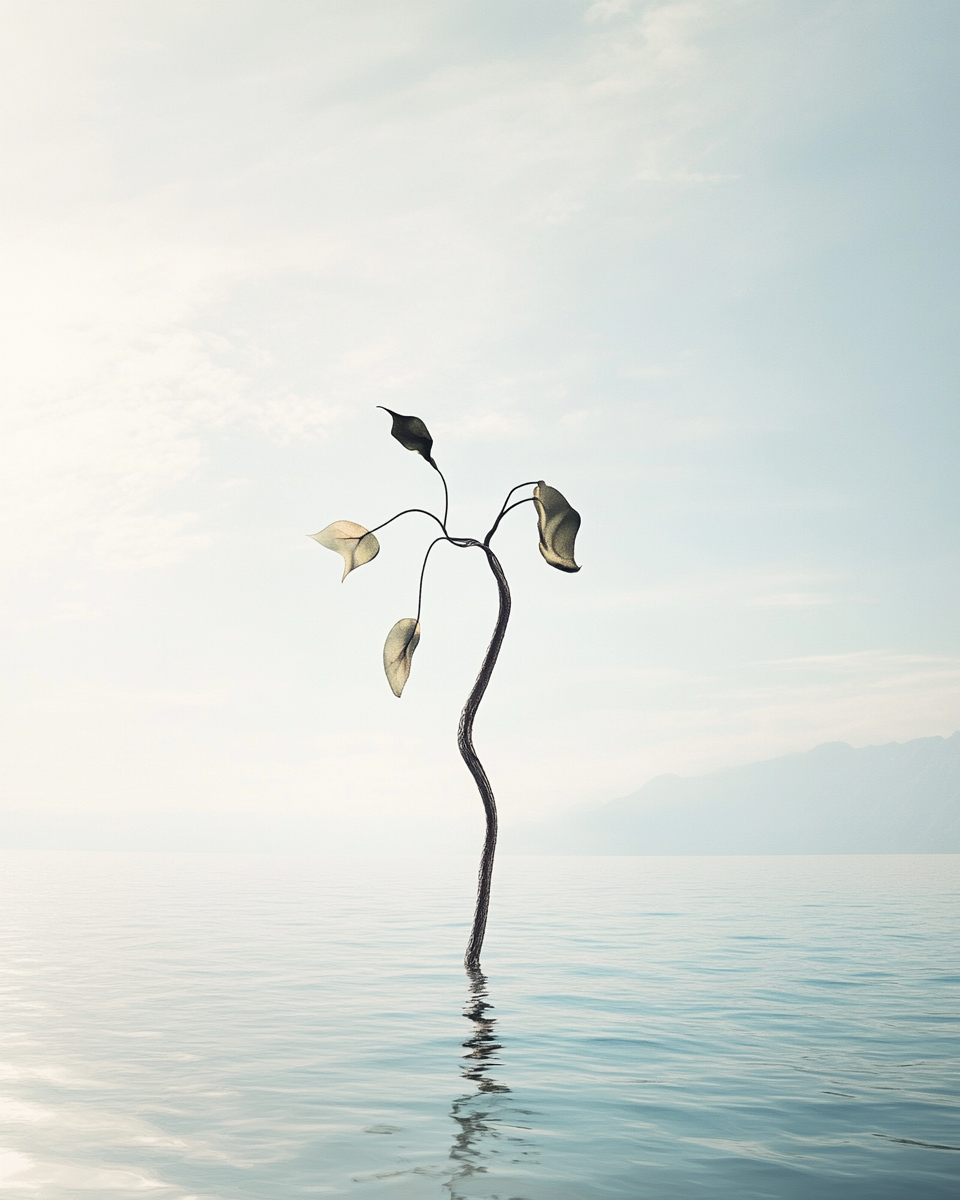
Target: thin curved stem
x=423, y=570
x=465, y=742
x=405, y=512
x=504, y=509
x=516, y=504
x=446, y=498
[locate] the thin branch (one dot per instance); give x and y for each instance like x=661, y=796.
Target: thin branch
x=503, y=507
x=529, y=483
x=446, y=498
x=402, y=514
x=506, y=509
x=423, y=569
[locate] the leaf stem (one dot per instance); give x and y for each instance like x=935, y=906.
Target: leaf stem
x=504, y=509
x=446, y=498
x=403, y=514
x=423, y=570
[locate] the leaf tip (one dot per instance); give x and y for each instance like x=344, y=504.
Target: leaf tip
x=398, y=650
x=351, y=541
x=412, y=434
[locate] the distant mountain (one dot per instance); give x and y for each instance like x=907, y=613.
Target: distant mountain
x=902, y=798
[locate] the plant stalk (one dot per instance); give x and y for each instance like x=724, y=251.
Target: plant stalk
x=471, y=959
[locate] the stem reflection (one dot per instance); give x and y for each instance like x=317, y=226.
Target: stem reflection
x=488, y=1134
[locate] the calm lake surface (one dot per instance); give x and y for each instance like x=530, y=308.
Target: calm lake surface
x=270, y=1028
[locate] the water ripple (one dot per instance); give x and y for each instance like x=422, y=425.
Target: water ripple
x=229, y=1028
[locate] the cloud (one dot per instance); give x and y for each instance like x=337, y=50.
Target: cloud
x=261, y=233
x=755, y=587
x=647, y=175
x=806, y=599
x=609, y=237
x=91, y=699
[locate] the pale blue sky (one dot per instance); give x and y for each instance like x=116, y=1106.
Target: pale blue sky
x=692, y=263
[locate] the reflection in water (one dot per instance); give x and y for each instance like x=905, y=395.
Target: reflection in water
x=488, y=1129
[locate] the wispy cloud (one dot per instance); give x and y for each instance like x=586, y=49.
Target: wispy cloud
x=608, y=251
x=752, y=588
x=370, y=250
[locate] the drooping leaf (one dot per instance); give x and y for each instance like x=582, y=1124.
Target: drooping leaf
x=558, y=524
x=398, y=650
x=412, y=434
x=350, y=540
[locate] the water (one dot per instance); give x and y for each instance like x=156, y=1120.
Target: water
x=260, y=1027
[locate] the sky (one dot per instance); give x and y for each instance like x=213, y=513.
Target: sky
x=693, y=263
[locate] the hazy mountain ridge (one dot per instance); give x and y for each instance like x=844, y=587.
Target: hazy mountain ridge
x=900, y=798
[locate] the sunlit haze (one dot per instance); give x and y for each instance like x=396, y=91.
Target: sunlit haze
x=692, y=263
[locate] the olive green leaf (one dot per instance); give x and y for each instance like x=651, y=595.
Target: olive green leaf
x=558, y=524
x=352, y=541
x=412, y=434
x=398, y=650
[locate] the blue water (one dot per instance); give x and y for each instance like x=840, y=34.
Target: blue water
x=262, y=1027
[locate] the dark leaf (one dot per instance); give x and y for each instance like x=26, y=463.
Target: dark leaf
x=412, y=434
x=558, y=524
